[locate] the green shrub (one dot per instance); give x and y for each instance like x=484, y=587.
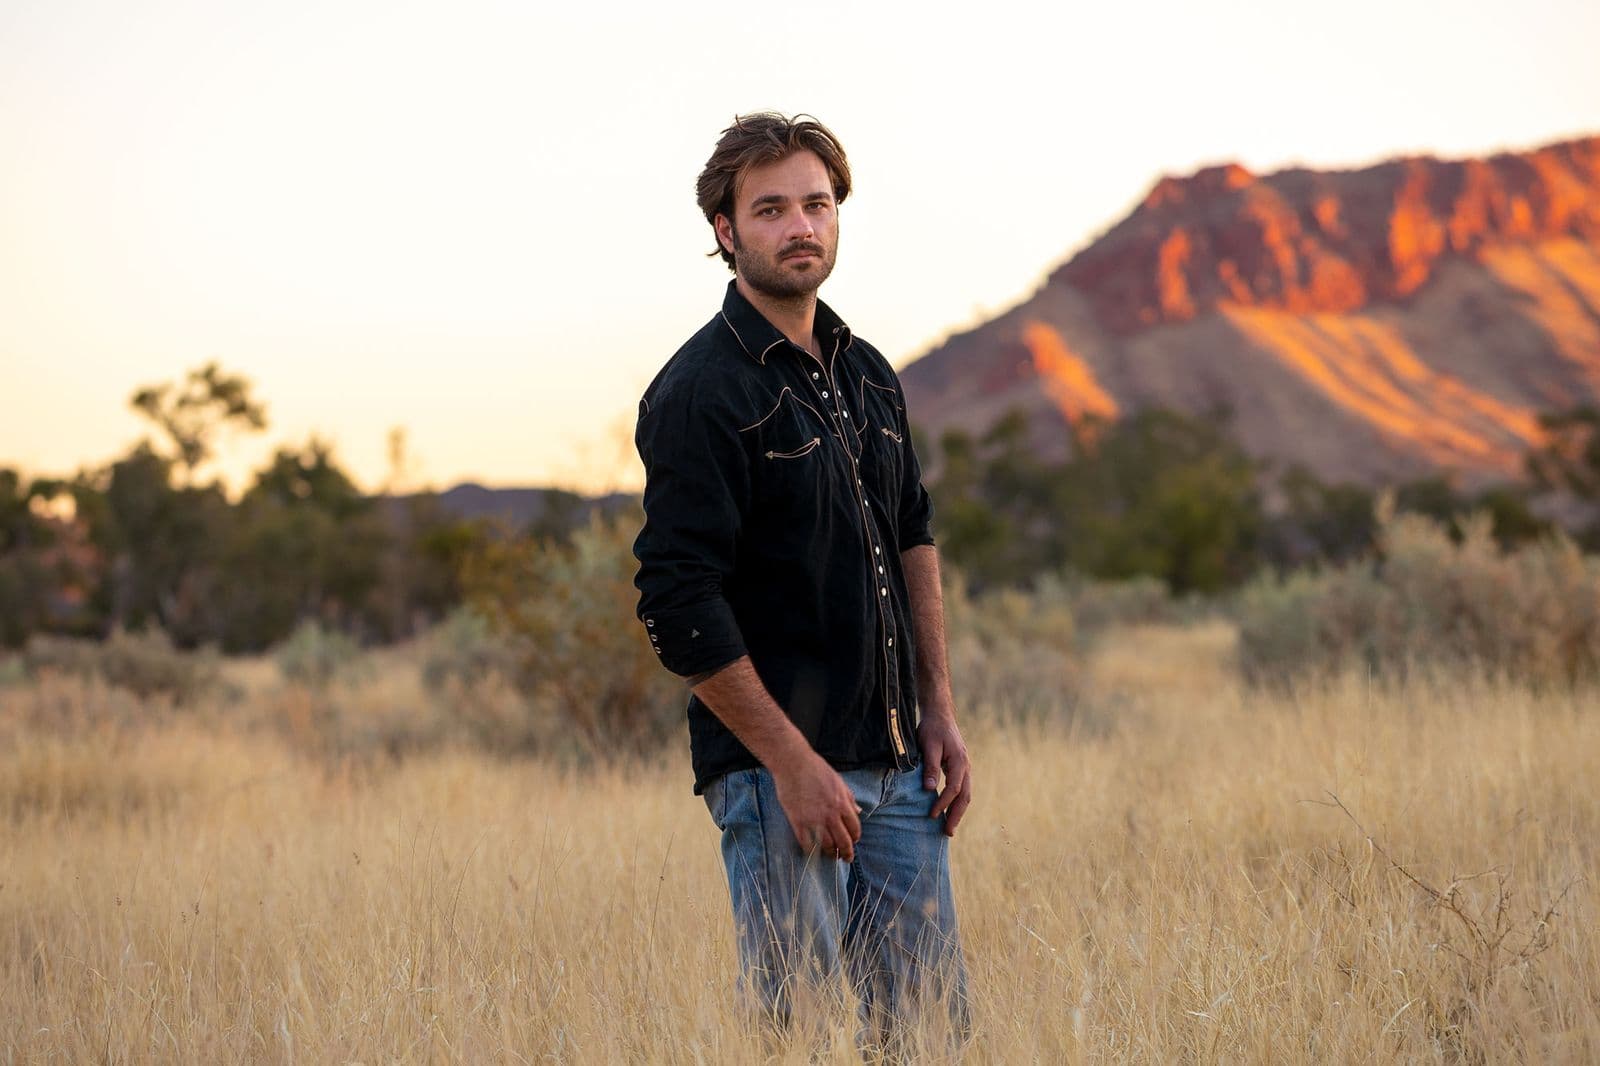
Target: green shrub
x=316, y=656
x=143, y=662
x=465, y=649
x=1012, y=652
x=1427, y=602
x=1099, y=605
x=470, y=671
x=590, y=684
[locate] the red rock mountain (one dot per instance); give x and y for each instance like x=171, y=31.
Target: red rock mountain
x=1372, y=324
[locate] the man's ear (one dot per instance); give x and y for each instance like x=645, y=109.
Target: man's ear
x=724, y=227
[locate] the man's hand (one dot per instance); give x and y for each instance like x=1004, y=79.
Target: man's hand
x=814, y=798
x=944, y=751
x=820, y=808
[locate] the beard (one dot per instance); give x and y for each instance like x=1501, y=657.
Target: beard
x=770, y=277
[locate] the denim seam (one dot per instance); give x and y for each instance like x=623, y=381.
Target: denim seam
x=864, y=945
x=769, y=920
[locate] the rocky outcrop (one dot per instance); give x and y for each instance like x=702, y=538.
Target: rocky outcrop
x=1371, y=324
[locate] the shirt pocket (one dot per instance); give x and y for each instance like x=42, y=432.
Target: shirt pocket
x=796, y=453
x=788, y=442
x=883, y=440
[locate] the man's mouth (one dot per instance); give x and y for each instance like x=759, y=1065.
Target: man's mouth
x=802, y=252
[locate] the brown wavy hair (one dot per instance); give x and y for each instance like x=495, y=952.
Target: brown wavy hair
x=758, y=138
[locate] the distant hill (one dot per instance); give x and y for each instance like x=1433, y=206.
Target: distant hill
x=1375, y=324
x=519, y=508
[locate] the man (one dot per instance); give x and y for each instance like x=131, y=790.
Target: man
x=786, y=569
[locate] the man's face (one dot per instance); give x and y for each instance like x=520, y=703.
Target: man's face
x=785, y=230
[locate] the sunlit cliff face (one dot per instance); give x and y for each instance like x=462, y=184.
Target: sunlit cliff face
x=1405, y=320
x=1310, y=242
x=1067, y=379
x=1368, y=369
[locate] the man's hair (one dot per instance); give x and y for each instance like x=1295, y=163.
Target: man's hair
x=755, y=139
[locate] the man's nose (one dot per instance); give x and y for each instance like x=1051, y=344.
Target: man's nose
x=800, y=227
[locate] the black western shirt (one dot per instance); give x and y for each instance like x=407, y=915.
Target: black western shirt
x=779, y=493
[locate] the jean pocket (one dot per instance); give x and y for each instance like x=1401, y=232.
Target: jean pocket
x=716, y=797
x=732, y=798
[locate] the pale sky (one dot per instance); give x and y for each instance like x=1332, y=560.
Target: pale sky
x=477, y=220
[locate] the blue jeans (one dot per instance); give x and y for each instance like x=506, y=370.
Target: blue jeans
x=887, y=919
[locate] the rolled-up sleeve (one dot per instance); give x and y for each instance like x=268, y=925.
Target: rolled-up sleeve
x=697, y=486
x=914, y=524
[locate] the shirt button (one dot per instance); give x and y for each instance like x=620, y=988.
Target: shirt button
x=654, y=638
x=891, y=642
x=883, y=591
x=876, y=550
x=651, y=622
x=815, y=375
x=846, y=414
x=880, y=569
x=824, y=394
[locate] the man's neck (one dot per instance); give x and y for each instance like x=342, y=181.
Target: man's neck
x=795, y=317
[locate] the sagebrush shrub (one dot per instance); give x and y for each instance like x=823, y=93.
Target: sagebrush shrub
x=1097, y=604
x=465, y=649
x=316, y=656
x=144, y=662
x=566, y=612
x=1427, y=601
x=1013, y=653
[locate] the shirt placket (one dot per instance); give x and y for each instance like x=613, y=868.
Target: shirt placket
x=828, y=392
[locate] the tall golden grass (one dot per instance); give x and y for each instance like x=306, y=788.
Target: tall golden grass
x=1163, y=876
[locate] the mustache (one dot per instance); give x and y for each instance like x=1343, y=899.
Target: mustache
x=801, y=247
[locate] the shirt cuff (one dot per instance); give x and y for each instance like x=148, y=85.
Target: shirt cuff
x=692, y=640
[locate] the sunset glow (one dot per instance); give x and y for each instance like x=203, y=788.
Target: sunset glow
x=477, y=222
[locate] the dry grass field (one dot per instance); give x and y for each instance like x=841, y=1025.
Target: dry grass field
x=1163, y=878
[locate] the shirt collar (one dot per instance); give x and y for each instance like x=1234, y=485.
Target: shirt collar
x=758, y=337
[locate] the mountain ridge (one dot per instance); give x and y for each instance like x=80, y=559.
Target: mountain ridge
x=1396, y=320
